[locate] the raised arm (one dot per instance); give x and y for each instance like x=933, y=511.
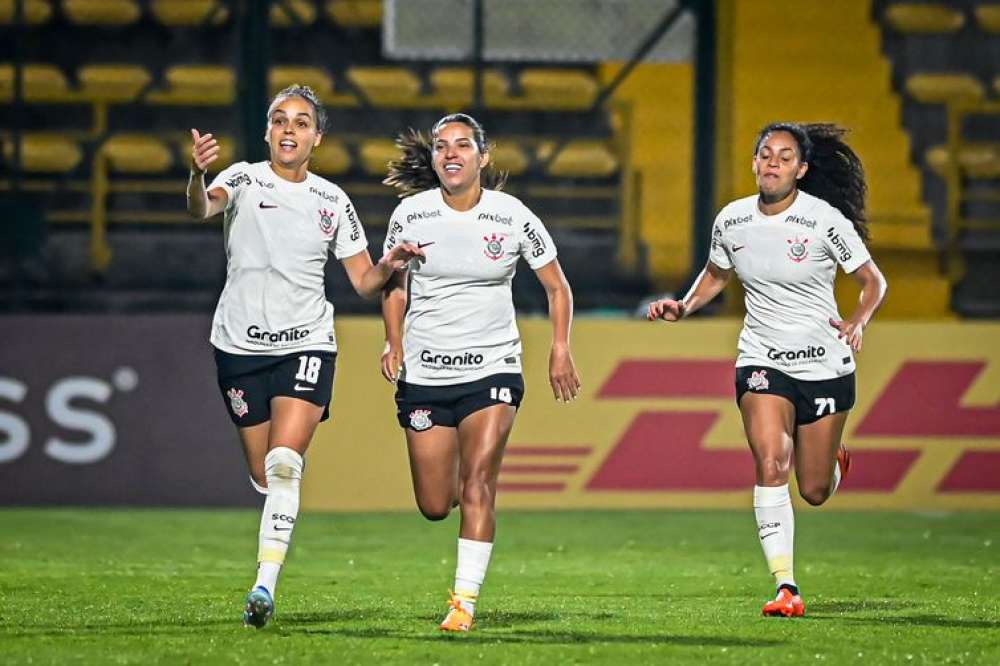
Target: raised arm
x=710, y=282
x=563, y=377
x=202, y=204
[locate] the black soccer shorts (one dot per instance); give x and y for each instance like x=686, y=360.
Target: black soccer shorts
x=420, y=407
x=249, y=382
x=812, y=399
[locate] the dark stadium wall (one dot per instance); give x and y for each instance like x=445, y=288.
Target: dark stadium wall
x=107, y=410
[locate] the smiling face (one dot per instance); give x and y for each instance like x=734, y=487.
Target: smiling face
x=456, y=157
x=292, y=132
x=778, y=165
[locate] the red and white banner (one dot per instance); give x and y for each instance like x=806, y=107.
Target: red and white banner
x=125, y=410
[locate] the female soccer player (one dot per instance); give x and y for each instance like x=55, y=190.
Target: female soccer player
x=795, y=364
x=456, y=360
x=273, y=327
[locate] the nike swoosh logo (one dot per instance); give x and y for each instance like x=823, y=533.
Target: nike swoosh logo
x=423, y=245
x=282, y=529
x=299, y=387
x=737, y=248
x=767, y=535
x=264, y=205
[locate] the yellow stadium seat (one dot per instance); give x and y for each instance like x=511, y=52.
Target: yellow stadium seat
x=979, y=160
x=941, y=88
x=988, y=18
x=112, y=82
x=394, y=87
x=922, y=18
x=355, y=13
x=563, y=89
x=330, y=158
x=189, y=13
x=583, y=158
x=45, y=152
x=305, y=14
x=137, y=153
x=375, y=155
x=282, y=76
x=452, y=86
x=509, y=156
x=208, y=85
x=35, y=11
x=102, y=12
x=41, y=82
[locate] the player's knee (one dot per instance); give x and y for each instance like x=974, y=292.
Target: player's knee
x=434, y=511
x=773, y=470
x=282, y=465
x=477, y=492
x=814, y=494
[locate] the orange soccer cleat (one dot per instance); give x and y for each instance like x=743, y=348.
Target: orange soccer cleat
x=843, y=461
x=786, y=603
x=457, y=619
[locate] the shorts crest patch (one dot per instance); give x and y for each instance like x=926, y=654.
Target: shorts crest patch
x=420, y=419
x=758, y=381
x=236, y=401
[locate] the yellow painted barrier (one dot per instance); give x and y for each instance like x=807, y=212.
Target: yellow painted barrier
x=656, y=425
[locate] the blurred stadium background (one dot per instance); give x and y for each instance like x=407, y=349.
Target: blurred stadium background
x=625, y=124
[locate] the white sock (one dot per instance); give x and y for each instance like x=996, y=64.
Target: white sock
x=256, y=486
x=267, y=576
x=283, y=470
x=836, y=477
x=776, y=530
x=470, y=572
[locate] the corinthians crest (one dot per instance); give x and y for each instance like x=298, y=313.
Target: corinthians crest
x=494, y=246
x=420, y=419
x=797, y=250
x=236, y=401
x=758, y=381
x=326, y=221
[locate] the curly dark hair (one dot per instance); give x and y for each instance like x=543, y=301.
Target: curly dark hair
x=835, y=172
x=413, y=172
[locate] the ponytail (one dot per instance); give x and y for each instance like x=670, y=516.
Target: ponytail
x=413, y=171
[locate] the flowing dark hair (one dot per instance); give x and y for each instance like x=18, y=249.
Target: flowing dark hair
x=413, y=172
x=835, y=172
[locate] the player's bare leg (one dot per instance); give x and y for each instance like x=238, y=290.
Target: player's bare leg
x=293, y=423
x=254, y=439
x=482, y=438
x=434, y=467
x=818, y=457
x=769, y=422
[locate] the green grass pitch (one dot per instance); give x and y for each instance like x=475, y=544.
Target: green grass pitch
x=97, y=586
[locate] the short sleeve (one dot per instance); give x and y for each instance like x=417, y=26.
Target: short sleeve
x=233, y=180
x=718, y=254
x=350, y=236
x=537, y=247
x=844, y=244
x=395, y=229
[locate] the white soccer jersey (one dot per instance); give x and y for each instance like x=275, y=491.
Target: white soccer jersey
x=787, y=264
x=278, y=237
x=460, y=323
